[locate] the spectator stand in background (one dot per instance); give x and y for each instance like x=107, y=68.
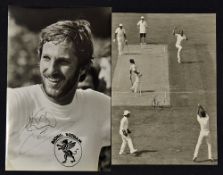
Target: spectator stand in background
x=22, y=56
x=91, y=79
x=99, y=75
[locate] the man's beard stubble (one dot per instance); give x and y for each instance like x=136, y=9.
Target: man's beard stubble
x=70, y=85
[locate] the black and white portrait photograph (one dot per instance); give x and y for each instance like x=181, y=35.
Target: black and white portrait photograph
x=58, y=114
x=164, y=107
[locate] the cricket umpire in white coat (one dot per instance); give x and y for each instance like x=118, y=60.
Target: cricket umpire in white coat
x=142, y=24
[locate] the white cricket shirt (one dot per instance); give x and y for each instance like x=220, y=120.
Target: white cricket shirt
x=120, y=33
x=204, y=123
x=124, y=124
x=180, y=39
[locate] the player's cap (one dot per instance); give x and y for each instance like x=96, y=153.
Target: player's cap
x=120, y=25
x=126, y=112
x=142, y=17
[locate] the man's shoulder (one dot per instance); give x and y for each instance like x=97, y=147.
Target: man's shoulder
x=117, y=29
x=22, y=97
x=124, y=119
x=132, y=66
x=90, y=94
x=22, y=93
x=25, y=89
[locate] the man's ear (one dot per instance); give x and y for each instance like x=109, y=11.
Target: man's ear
x=82, y=75
x=84, y=71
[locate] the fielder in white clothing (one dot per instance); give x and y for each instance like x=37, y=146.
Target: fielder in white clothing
x=180, y=37
x=142, y=30
x=121, y=38
x=54, y=126
x=203, y=120
x=133, y=71
x=125, y=133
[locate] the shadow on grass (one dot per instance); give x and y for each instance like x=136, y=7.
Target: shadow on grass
x=191, y=62
x=139, y=153
x=131, y=53
x=206, y=160
x=144, y=91
x=153, y=42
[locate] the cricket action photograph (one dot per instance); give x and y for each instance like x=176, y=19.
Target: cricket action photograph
x=164, y=89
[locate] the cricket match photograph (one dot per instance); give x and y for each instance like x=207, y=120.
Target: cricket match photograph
x=164, y=89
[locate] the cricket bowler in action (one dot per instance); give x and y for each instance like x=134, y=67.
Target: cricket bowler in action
x=180, y=37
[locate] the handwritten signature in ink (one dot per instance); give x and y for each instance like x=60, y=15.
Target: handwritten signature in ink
x=41, y=121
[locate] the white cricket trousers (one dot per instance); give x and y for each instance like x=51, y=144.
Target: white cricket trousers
x=179, y=47
x=203, y=135
x=136, y=85
x=126, y=140
x=121, y=44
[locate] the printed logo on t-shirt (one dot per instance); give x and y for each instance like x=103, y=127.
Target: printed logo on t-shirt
x=67, y=149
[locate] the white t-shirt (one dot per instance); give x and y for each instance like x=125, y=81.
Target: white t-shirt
x=142, y=26
x=124, y=124
x=204, y=123
x=120, y=33
x=41, y=135
x=179, y=39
